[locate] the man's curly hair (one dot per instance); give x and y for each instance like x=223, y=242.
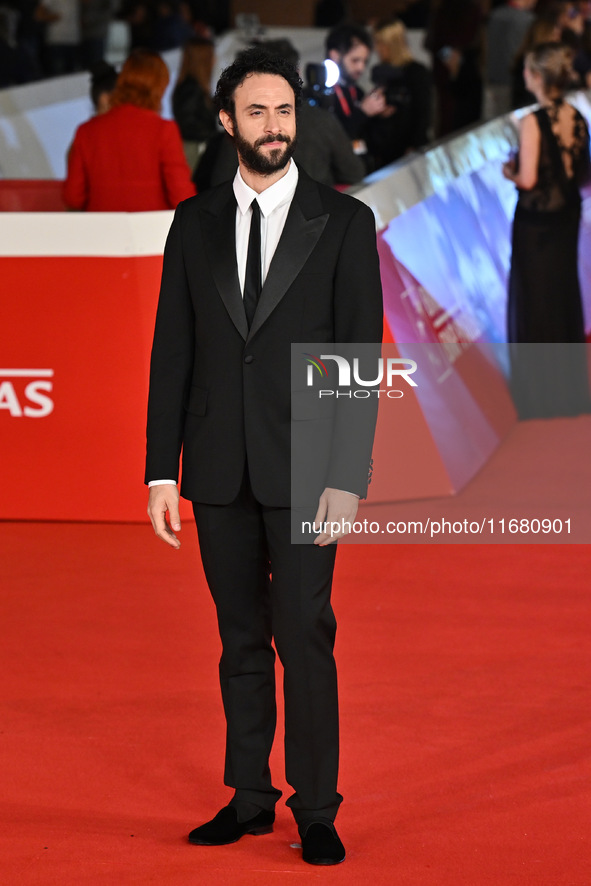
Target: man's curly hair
x=256, y=60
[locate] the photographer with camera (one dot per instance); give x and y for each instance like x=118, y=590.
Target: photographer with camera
x=350, y=46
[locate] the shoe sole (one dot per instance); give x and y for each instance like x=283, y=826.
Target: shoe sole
x=324, y=861
x=255, y=832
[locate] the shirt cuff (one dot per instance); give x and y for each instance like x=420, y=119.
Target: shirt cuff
x=162, y=482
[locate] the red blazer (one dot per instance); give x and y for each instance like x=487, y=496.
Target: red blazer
x=127, y=160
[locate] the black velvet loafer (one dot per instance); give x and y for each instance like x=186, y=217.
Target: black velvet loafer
x=225, y=827
x=321, y=844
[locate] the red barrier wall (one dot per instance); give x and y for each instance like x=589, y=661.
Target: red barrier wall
x=72, y=431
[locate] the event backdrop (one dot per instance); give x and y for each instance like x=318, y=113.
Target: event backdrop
x=79, y=294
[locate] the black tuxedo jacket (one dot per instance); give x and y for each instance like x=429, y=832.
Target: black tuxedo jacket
x=221, y=392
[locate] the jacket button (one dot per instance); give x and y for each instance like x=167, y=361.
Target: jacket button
x=249, y=358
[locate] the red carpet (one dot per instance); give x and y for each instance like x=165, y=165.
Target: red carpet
x=465, y=684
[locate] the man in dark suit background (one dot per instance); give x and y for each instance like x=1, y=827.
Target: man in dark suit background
x=350, y=46
x=250, y=267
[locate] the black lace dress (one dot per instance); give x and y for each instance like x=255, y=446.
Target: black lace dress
x=544, y=304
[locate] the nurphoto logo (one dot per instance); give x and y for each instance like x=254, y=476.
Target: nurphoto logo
x=388, y=371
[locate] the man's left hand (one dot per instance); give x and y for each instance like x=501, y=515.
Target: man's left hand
x=336, y=514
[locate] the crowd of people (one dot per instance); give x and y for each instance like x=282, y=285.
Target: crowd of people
x=516, y=28
x=105, y=174
x=47, y=38
x=393, y=118
x=477, y=59
x=347, y=131
x=128, y=158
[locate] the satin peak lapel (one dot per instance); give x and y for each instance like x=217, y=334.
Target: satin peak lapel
x=219, y=234
x=299, y=237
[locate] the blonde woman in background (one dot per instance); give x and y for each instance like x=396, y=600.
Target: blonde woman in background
x=405, y=124
x=544, y=299
x=545, y=29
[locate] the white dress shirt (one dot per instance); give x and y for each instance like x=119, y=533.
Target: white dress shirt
x=274, y=203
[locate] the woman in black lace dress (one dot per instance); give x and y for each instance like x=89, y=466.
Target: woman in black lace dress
x=544, y=296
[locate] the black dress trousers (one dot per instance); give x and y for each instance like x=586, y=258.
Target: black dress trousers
x=265, y=588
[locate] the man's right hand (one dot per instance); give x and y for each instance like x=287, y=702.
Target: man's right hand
x=374, y=103
x=162, y=499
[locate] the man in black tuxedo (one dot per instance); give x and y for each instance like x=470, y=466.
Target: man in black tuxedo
x=250, y=267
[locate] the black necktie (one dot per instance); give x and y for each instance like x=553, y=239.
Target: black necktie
x=252, y=280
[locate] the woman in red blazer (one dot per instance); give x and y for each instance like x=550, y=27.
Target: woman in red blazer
x=130, y=159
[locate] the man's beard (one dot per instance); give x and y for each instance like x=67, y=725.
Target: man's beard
x=264, y=163
x=347, y=79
